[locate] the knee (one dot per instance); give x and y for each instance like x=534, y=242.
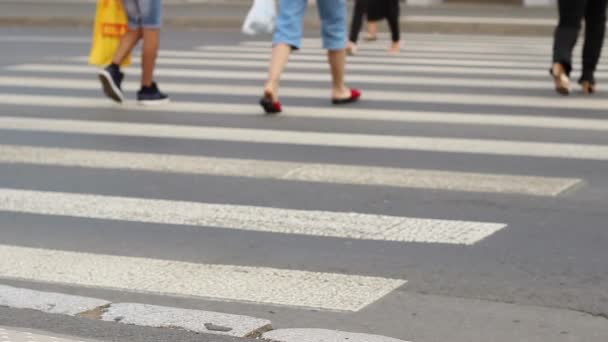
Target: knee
x=334, y=36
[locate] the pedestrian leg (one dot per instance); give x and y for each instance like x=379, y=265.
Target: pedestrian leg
x=392, y=16
x=149, y=55
x=126, y=45
x=595, y=30
x=287, y=37
x=333, y=17
x=356, y=25
x=374, y=15
x=571, y=13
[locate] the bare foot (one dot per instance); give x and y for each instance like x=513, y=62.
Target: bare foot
x=342, y=93
x=588, y=87
x=562, y=81
x=351, y=49
x=395, y=48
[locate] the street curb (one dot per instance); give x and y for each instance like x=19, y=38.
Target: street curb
x=233, y=23
x=198, y=321
x=56, y=303
x=190, y=320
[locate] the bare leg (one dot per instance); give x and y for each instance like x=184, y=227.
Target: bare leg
x=127, y=43
x=372, y=30
x=337, y=61
x=149, y=54
x=280, y=57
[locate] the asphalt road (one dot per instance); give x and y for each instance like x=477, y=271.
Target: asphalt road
x=513, y=154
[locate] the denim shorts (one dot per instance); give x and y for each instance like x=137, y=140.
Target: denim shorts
x=144, y=13
x=333, y=13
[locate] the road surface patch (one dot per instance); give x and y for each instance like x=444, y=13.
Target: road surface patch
x=191, y=320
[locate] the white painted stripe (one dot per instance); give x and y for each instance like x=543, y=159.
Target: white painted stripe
x=191, y=320
x=202, y=88
x=540, y=52
x=216, y=282
x=234, y=75
x=258, y=219
x=55, y=303
x=322, y=335
x=368, y=66
x=365, y=64
x=386, y=59
x=209, y=108
x=44, y=39
x=412, y=42
x=409, y=96
x=307, y=172
x=404, y=56
x=441, y=37
x=413, y=143
x=366, y=55
x=481, y=20
x=320, y=57
x=380, y=48
x=453, y=37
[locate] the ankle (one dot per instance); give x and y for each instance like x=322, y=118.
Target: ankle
x=272, y=85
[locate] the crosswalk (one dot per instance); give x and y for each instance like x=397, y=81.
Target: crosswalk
x=214, y=83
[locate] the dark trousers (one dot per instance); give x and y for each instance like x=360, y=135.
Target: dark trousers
x=357, y=22
x=571, y=15
x=375, y=11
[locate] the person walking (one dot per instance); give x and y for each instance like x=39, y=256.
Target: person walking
x=288, y=37
x=571, y=14
x=145, y=21
x=384, y=9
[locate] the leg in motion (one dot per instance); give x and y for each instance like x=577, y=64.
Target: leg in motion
x=333, y=17
x=149, y=55
x=287, y=37
x=595, y=30
x=571, y=13
x=151, y=17
x=392, y=16
x=374, y=15
x=356, y=25
x=111, y=77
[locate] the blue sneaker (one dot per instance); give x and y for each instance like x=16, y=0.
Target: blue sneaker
x=111, y=78
x=151, y=95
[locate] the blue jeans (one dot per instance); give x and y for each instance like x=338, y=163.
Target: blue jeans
x=144, y=13
x=290, y=22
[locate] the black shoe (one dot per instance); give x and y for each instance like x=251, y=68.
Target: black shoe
x=111, y=79
x=151, y=95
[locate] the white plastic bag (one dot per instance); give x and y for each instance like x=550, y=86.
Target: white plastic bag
x=261, y=17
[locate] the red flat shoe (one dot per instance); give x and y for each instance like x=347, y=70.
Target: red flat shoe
x=355, y=95
x=270, y=107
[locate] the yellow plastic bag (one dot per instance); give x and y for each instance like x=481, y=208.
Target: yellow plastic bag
x=111, y=24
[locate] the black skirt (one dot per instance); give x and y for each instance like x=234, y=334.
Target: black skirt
x=381, y=9
x=376, y=10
